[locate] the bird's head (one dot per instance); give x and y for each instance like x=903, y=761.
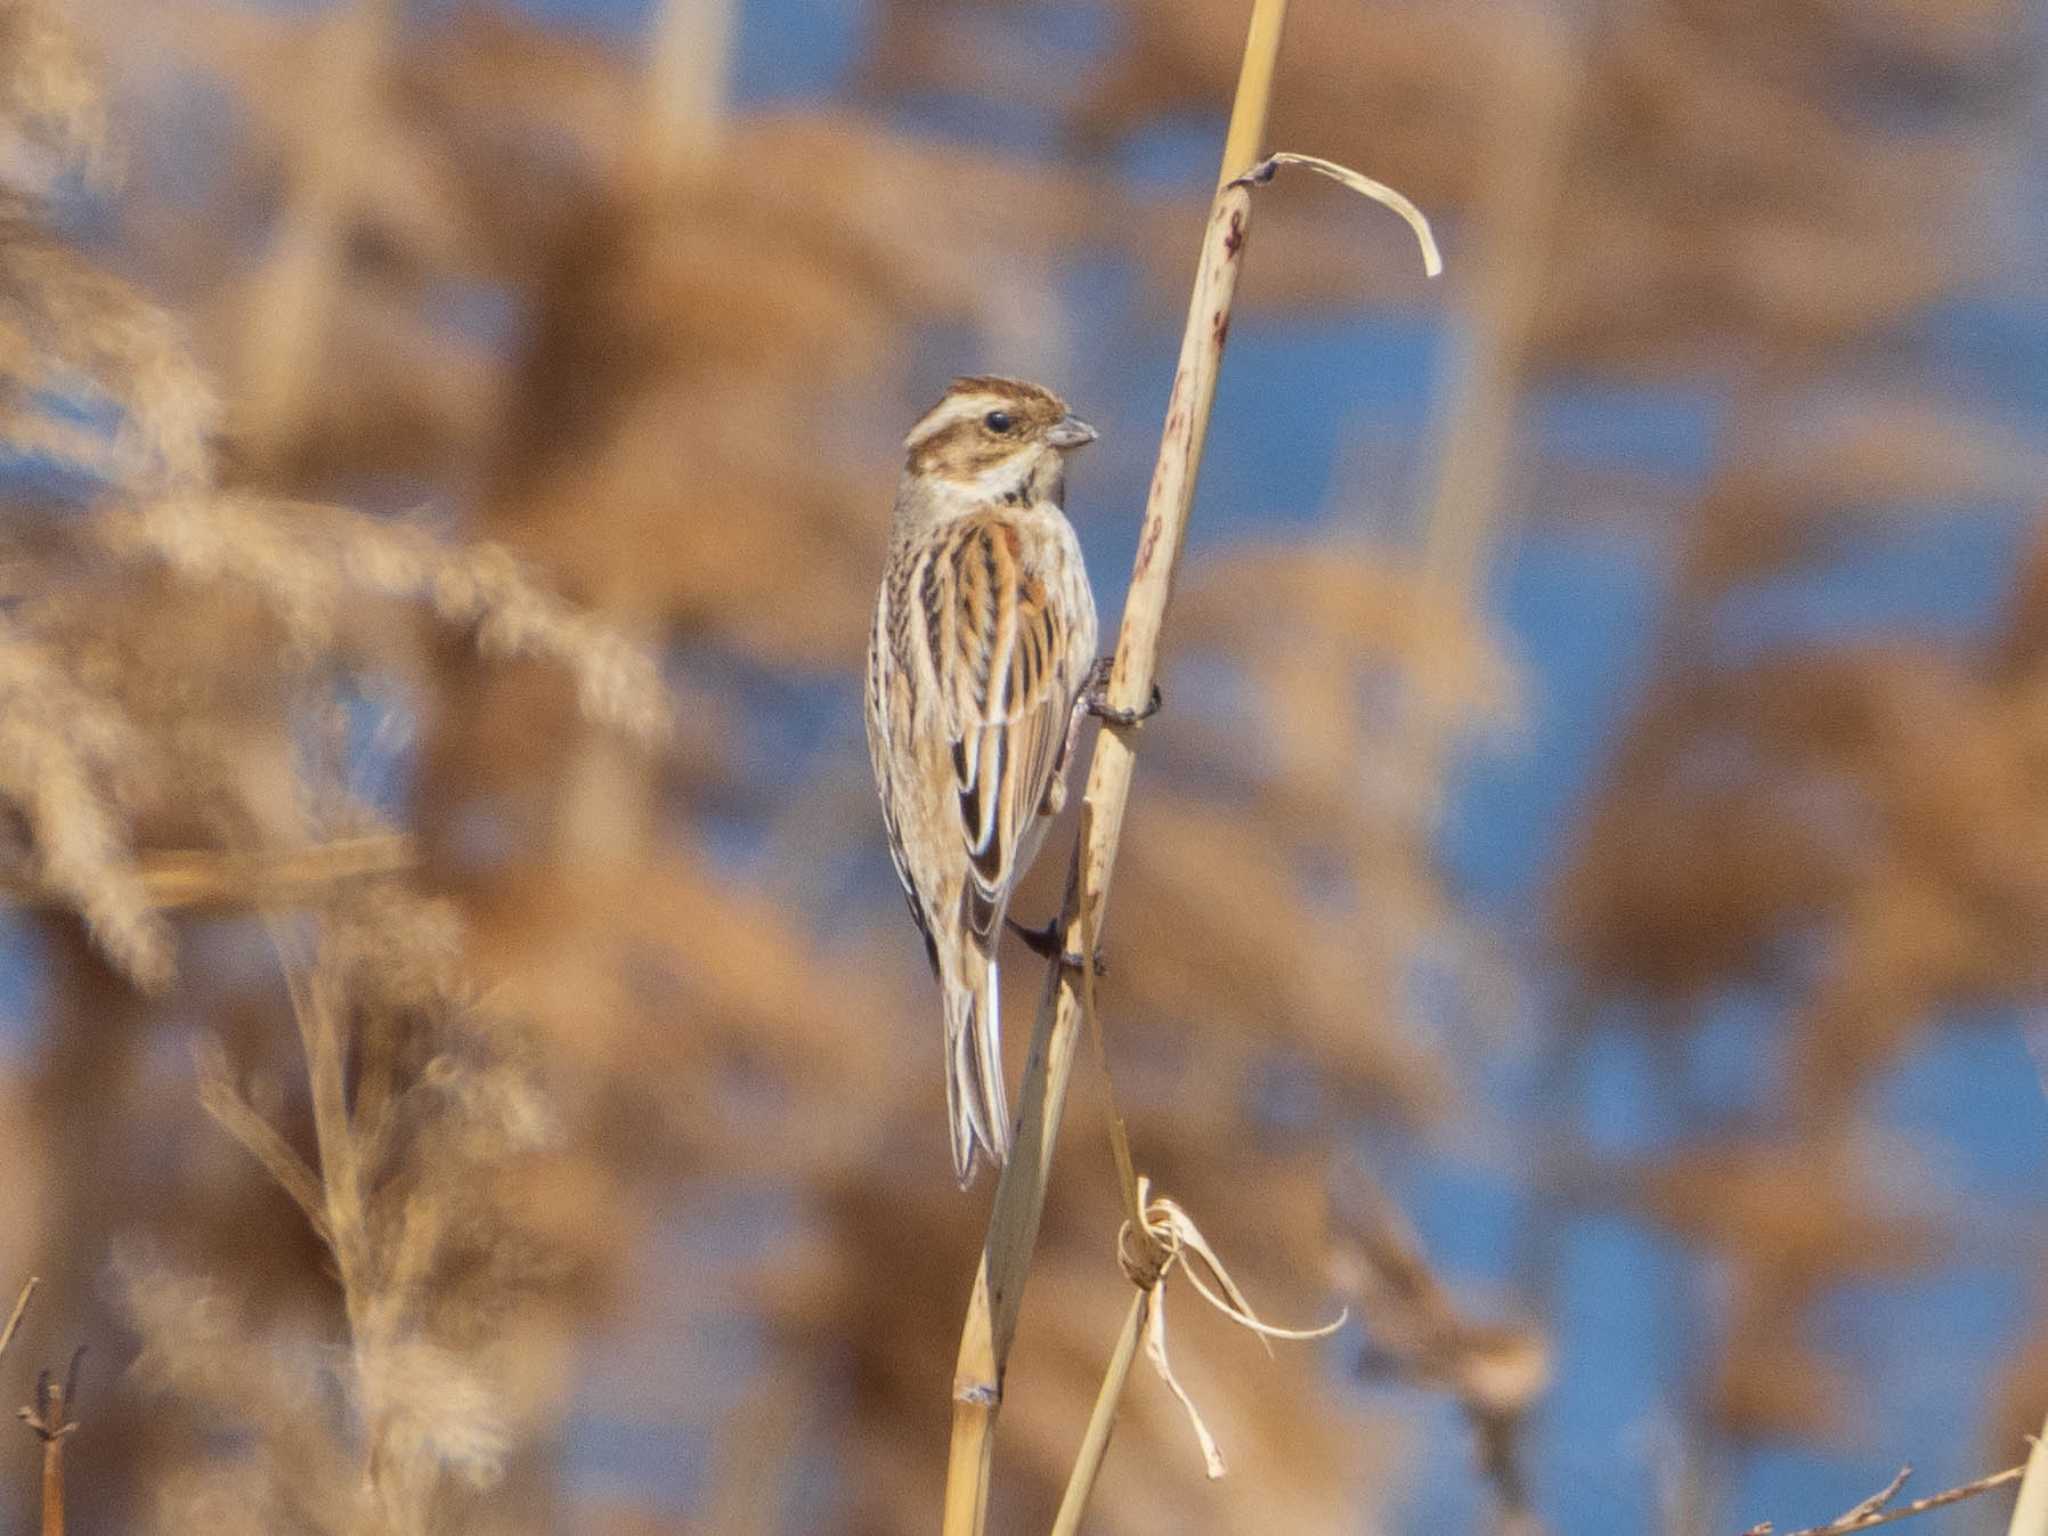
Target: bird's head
x=996, y=440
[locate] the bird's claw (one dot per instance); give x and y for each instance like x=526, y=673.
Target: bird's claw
x=1045, y=943
x=1095, y=699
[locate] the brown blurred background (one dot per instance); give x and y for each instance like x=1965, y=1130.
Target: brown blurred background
x=1584, y=903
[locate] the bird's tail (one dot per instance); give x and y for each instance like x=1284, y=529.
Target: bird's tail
x=975, y=1102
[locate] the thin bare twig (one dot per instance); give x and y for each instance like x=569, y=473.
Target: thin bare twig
x=1863, y=1509
x=319, y=1010
x=1878, y=1510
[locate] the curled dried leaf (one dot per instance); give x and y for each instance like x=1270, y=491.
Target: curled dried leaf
x=1174, y=1235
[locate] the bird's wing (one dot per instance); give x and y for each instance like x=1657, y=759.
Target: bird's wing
x=999, y=645
x=883, y=684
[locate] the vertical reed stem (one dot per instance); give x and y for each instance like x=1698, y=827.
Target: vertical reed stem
x=991, y=1323
x=1095, y=1443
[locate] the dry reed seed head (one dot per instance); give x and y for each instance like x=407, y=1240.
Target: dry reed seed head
x=447, y=1292
x=196, y=1344
x=51, y=95
x=1335, y=611
x=77, y=327
x=398, y=950
x=1276, y=968
x=1415, y=1330
x=1932, y=820
x=520, y=106
x=435, y=1410
x=618, y=684
x=227, y=1500
x=67, y=762
x=1802, y=486
x=262, y=1392
x=1930, y=36
x=1771, y=1381
x=306, y=560
x=1648, y=278
x=173, y=661
x=779, y=573
x=497, y=1110
x=278, y=551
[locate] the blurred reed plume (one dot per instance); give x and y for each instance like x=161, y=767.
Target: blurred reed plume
x=430, y=1130
x=185, y=656
x=1417, y=1332
x=124, y=527
x=1837, y=825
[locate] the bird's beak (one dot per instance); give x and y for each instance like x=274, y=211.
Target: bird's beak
x=1070, y=431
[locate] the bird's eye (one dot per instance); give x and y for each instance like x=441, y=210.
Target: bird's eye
x=998, y=421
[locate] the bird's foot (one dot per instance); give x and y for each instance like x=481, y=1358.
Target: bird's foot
x=1095, y=698
x=1045, y=943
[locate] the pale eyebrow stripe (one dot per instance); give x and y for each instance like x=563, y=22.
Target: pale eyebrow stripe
x=948, y=411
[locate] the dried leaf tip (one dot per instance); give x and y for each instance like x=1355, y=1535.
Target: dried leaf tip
x=1364, y=186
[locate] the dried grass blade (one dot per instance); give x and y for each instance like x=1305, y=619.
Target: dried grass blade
x=1155, y=1351
x=20, y=1309
x=1364, y=186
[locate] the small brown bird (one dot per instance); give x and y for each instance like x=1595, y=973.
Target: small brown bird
x=979, y=669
